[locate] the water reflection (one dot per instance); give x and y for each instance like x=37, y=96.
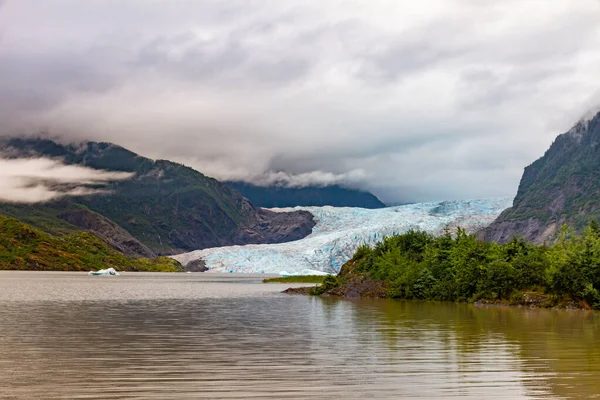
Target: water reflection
x=553, y=353
x=182, y=337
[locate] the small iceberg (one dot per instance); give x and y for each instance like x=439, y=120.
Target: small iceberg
x=105, y=272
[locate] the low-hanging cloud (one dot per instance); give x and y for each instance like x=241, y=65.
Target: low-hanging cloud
x=312, y=178
x=431, y=100
x=38, y=180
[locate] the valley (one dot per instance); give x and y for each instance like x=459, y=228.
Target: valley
x=340, y=231
x=299, y=200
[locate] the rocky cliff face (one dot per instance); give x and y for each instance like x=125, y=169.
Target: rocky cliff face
x=165, y=208
x=561, y=187
x=111, y=233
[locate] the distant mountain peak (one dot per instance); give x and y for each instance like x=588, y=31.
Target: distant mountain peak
x=285, y=196
x=560, y=187
x=583, y=124
x=592, y=113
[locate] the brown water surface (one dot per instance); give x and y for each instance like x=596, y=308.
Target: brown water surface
x=177, y=336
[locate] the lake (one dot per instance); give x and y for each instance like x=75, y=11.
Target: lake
x=163, y=336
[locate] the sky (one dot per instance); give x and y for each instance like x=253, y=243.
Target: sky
x=413, y=100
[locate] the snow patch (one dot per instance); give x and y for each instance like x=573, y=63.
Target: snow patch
x=339, y=231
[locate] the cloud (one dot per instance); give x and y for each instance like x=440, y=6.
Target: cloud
x=37, y=180
x=312, y=178
x=440, y=99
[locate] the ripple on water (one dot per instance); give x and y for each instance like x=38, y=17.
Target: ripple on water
x=143, y=336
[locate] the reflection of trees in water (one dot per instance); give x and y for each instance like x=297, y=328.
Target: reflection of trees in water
x=161, y=346
x=564, y=345
x=555, y=352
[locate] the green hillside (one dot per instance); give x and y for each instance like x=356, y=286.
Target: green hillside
x=26, y=248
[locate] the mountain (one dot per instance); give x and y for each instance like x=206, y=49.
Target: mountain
x=24, y=248
x=561, y=187
x=165, y=208
x=279, y=196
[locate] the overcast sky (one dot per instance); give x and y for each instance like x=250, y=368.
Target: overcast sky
x=414, y=100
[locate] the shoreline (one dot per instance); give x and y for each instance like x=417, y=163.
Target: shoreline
x=365, y=290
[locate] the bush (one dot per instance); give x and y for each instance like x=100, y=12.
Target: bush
x=498, y=281
x=329, y=283
x=462, y=267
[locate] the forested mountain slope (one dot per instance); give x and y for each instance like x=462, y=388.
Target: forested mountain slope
x=165, y=208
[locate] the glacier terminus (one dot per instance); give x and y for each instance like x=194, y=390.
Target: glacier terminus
x=339, y=231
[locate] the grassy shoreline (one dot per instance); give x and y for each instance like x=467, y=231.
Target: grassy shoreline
x=372, y=290
x=297, y=279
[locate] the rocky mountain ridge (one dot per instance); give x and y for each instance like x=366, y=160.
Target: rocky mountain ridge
x=561, y=187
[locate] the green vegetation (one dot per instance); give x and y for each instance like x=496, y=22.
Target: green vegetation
x=330, y=282
x=297, y=279
x=40, y=216
x=25, y=248
x=460, y=267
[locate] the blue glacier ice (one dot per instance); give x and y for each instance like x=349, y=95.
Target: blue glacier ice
x=339, y=231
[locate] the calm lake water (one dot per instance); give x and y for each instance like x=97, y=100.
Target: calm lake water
x=161, y=336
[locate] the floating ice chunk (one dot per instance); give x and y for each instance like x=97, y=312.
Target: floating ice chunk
x=105, y=272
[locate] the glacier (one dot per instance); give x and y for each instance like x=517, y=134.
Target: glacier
x=339, y=231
